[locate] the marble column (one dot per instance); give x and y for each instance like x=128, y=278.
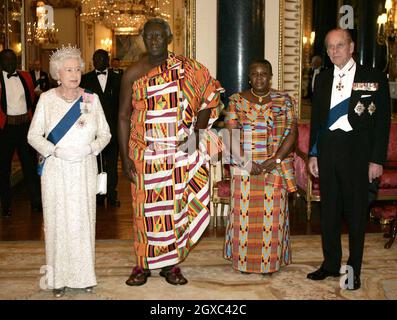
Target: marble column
x=240, y=40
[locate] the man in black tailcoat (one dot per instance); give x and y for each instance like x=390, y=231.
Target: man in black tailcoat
x=350, y=126
x=106, y=84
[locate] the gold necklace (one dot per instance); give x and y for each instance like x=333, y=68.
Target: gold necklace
x=260, y=98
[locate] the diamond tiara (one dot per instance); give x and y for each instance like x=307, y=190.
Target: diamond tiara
x=65, y=52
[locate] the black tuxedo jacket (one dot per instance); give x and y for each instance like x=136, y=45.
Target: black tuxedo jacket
x=109, y=99
x=373, y=129
x=118, y=71
x=43, y=81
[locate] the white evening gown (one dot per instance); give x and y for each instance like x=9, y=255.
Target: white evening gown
x=69, y=191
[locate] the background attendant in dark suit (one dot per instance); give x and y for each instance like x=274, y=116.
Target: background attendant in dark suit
x=116, y=66
x=316, y=68
x=16, y=104
x=350, y=126
x=106, y=84
x=40, y=78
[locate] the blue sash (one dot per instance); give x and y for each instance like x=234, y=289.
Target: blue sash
x=63, y=126
x=335, y=113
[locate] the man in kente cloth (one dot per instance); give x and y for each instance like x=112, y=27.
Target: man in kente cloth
x=168, y=103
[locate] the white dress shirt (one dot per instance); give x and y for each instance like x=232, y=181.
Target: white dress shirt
x=345, y=77
x=315, y=73
x=102, y=79
x=15, y=95
x=37, y=75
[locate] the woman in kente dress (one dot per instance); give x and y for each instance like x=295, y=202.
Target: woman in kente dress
x=257, y=234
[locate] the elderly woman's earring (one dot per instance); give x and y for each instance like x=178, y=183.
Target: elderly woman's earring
x=59, y=82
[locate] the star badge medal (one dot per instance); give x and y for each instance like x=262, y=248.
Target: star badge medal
x=81, y=123
x=371, y=108
x=359, y=109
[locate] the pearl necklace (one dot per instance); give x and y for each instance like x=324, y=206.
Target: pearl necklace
x=68, y=100
x=260, y=98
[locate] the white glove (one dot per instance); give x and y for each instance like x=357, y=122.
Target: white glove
x=73, y=153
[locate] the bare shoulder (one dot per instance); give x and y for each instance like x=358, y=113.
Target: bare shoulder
x=136, y=70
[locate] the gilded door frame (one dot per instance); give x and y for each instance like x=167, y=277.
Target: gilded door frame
x=190, y=41
x=290, y=49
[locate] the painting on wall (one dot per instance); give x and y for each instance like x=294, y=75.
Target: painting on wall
x=128, y=48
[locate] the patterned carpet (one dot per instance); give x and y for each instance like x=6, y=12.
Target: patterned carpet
x=210, y=276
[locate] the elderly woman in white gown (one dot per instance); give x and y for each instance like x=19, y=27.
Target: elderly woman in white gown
x=69, y=130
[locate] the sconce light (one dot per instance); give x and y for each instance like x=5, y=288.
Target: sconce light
x=386, y=32
x=385, y=21
x=107, y=44
x=312, y=37
x=304, y=39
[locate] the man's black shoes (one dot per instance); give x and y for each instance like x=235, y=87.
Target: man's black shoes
x=321, y=274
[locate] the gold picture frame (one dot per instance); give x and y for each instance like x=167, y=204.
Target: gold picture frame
x=129, y=48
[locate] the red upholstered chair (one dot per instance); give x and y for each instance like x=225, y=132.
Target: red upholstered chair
x=220, y=187
x=387, y=215
x=385, y=208
x=308, y=186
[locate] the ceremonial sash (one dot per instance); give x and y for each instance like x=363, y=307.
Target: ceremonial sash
x=335, y=113
x=63, y=126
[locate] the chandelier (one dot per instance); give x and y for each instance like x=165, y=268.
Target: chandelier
x=122, y=16
x=43, y=29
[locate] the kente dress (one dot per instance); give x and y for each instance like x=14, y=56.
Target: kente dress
x=257, y=233
x=170, y=199
x=69, y=190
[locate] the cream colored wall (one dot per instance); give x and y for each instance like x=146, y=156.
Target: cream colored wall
x=206, y=33
x=65, y=21
x=272, y=37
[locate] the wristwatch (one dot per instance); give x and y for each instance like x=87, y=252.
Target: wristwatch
x=278, y=160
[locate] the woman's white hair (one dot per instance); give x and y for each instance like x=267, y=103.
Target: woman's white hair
x=60, y=55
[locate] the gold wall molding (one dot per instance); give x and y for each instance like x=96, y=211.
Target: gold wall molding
x=190, y=41
x=290, y=48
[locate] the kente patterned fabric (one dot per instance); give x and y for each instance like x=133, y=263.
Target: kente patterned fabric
x=171, y=195
x=257, y=233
